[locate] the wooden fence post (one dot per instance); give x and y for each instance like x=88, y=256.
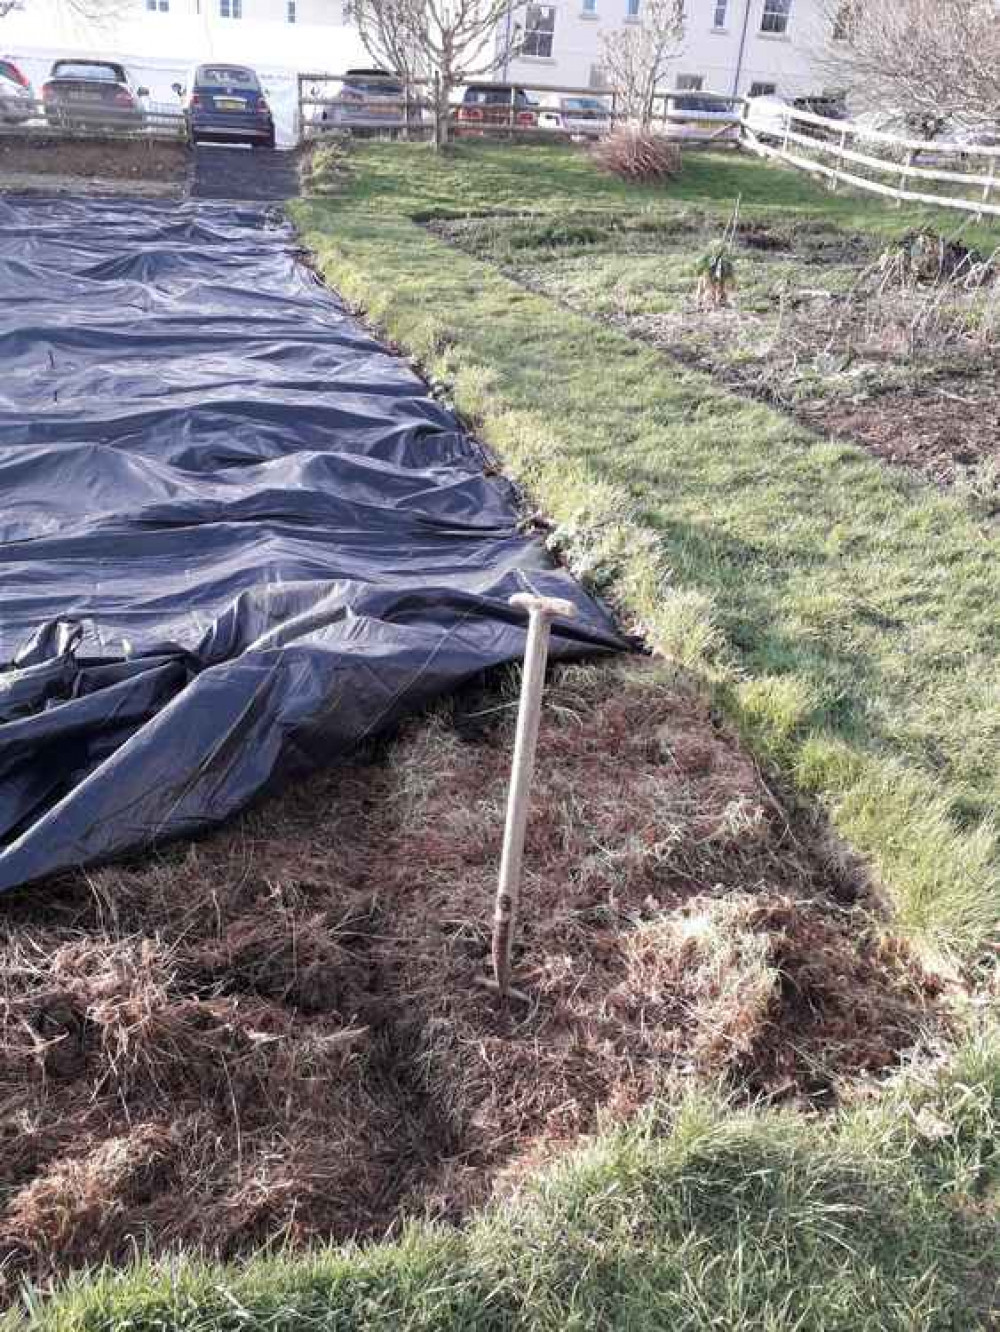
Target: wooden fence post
x=988, y=187
x=835, y=178
x=904, y=173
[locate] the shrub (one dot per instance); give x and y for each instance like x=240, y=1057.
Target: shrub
x=637, y=154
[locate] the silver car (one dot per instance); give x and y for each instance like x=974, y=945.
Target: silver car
x=581, y=117
x=369, y=99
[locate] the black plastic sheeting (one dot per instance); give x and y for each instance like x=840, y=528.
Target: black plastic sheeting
x=237, y=535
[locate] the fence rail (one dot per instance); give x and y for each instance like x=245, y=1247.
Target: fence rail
x=776, y=134
x=531, y=109
x=40, y=120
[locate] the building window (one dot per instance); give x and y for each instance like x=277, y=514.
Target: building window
x=158, y=6
x=631, y=9
x=290, y=10
x=590, y=8
x=775, y=17
x=598, y=76
x=762, y=89
x=721, y=14
x=230, y=8
x=690, y=82
x=539, y=25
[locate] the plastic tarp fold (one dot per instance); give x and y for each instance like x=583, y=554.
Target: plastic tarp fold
x=237, y=535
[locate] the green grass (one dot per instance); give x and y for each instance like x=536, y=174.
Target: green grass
x=883, y=1219
x=410, y=181
x=843, y=613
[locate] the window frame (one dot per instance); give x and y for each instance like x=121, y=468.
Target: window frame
x=721, y=7
x=775, y=13
x=538, y=34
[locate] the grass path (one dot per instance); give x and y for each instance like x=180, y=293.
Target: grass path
x=845, y=614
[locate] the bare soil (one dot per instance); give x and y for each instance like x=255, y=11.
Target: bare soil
x=946, y=432
x=159, y=161
x=830, y=326
x=279, y=1032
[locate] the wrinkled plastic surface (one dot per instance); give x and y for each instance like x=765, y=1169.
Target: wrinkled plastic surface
x=237, y=535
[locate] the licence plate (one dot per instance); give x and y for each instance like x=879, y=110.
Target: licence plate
x=230, y=104
x=84, y=96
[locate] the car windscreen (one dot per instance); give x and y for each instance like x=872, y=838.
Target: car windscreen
x=703, y=105
x=373, y=86
x=583, y=104
x=231, y=76
x=8, y=82
x=9, y=71
x=82, y=69
x=497, y=96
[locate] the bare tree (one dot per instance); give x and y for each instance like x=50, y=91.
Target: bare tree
x=636, y=57
x=929, y=60
x=448, y=42
x=88, y=11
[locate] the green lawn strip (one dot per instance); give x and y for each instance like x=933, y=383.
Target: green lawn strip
x=845, y=614
x=884, y=1217
x=481, y=177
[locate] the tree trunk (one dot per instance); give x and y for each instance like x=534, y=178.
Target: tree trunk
x=442, y=108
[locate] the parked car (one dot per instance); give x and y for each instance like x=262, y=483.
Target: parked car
x=768, y=116
x=93, y=94
x=580, y=117
x=705, y=118
x=830, y=108
x=226, y=104
x=496, y=104
x=17, y=97
x=369, y=99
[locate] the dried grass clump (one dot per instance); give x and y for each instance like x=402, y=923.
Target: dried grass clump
x=638, y=154
x=278, y=1033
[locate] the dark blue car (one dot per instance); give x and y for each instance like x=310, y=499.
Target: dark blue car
x=226, y=104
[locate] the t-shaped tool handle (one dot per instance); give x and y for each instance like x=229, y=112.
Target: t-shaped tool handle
x=541, y=612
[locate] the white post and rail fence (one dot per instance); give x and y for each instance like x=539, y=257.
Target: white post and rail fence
x=847, y=153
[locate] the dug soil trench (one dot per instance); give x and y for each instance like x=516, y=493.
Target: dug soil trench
x=278, y=1032
x=85, y=165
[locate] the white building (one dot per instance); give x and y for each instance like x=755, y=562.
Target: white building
x=160, y=40
x=745, y=46
x=293, y=34
x=742, y=47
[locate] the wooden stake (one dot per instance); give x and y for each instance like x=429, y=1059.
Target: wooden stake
x=541, y=612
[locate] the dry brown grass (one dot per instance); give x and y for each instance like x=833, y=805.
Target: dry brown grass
x=278, y=1032
x=639, y=155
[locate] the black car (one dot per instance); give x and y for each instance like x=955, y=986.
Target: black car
x=226, y=104
x=497, y=104
x=93, y=94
